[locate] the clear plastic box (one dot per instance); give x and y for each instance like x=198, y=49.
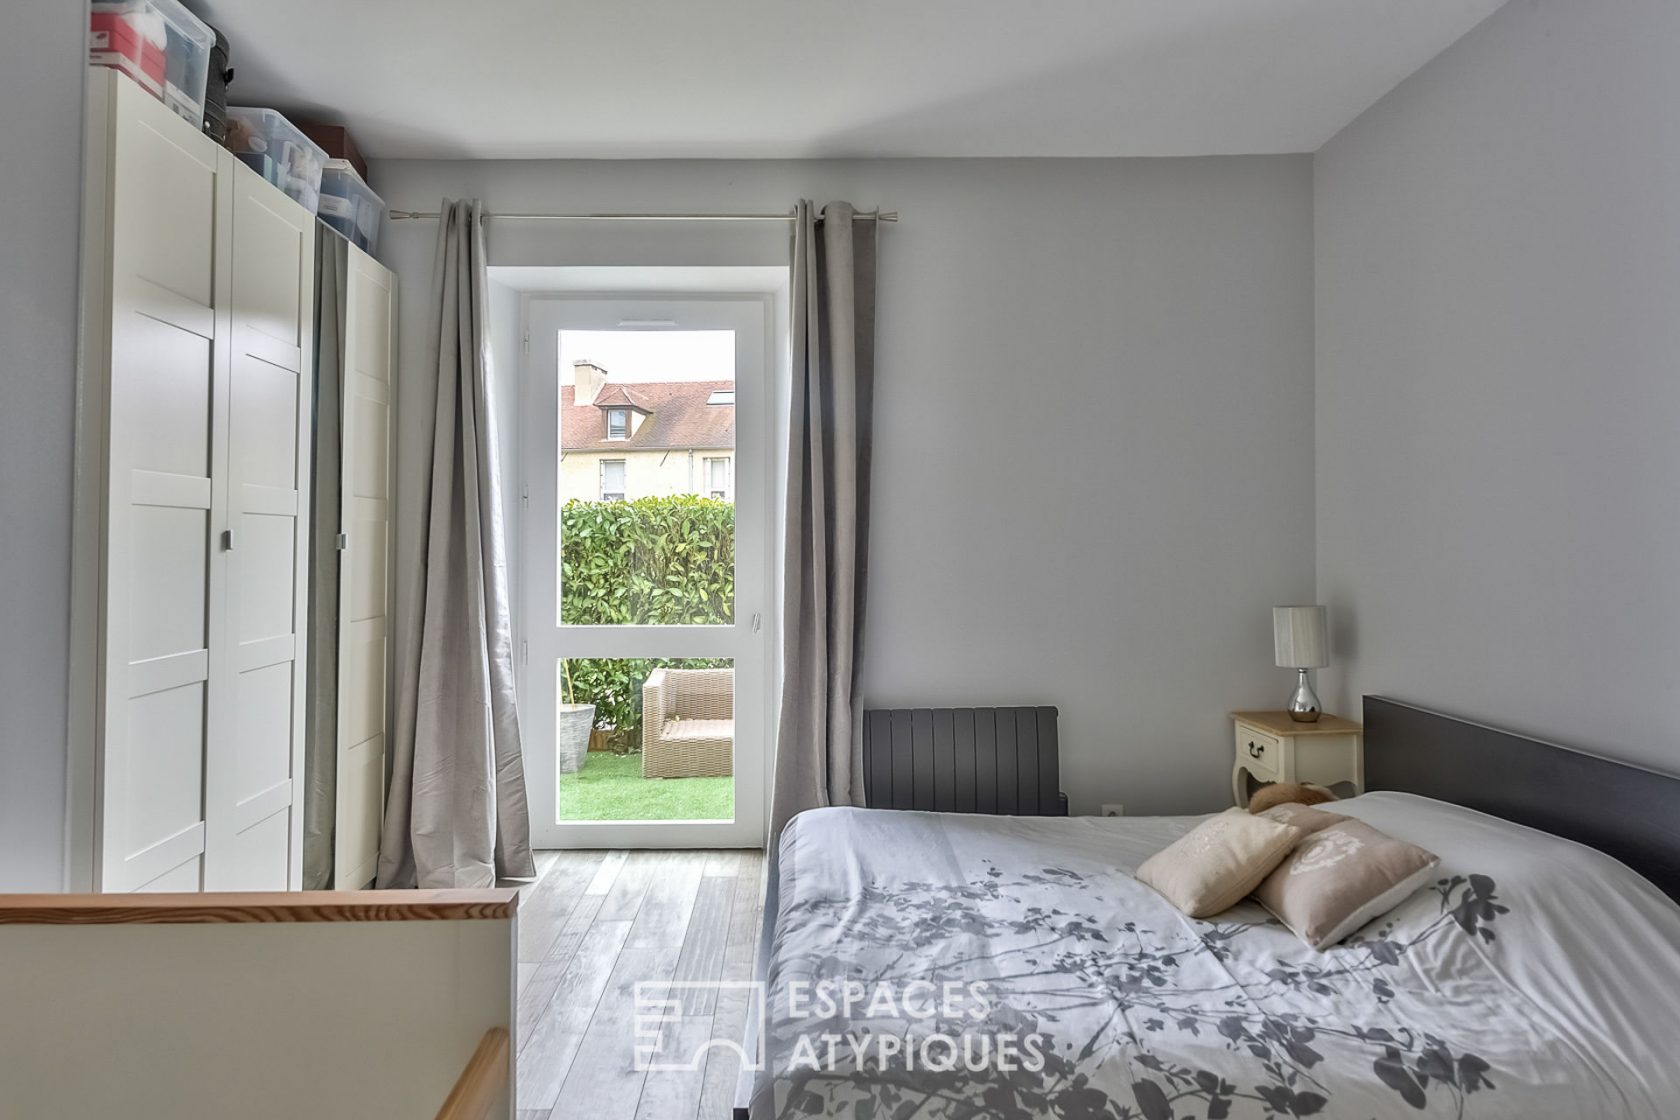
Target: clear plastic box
x=159, y=44
x=350, y=206
x=275, y=148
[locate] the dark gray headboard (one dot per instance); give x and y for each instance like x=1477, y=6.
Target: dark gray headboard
x=963, y=760
x=1625, y=811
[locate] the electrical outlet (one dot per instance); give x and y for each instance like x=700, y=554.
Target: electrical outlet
x=1113, y=809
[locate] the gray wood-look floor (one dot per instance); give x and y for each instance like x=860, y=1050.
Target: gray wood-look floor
x=593, y=926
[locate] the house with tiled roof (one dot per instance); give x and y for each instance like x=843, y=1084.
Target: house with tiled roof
x=628, y=440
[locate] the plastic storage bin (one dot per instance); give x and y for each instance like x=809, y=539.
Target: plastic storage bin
x=273, y=146
x=349, y=206
x=159, y=44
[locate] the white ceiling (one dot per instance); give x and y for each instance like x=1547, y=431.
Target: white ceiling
x=816, y=78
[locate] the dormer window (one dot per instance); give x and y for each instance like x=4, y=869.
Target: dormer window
x=618, y=423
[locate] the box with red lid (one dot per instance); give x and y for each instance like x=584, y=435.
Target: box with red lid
x=159, y=44
x=119, y=40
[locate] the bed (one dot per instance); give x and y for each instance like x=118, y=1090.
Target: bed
x=1537, y=977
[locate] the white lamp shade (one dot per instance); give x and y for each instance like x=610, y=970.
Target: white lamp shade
x=1300, y=638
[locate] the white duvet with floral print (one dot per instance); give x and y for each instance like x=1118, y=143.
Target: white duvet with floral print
x=1533, y=978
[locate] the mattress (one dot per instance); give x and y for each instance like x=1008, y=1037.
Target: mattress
x=937, y=966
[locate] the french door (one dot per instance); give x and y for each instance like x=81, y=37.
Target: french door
x=645, y=578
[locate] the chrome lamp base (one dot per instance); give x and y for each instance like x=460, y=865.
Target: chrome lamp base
x=1303, y=705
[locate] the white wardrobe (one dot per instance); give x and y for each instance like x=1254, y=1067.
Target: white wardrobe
x=190, y=576
x=350, y=585
x=364, y=629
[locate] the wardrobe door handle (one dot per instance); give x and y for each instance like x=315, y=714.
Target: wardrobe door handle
x=227, y=540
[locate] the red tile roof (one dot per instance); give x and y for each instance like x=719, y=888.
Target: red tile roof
x=678, y=417
x=619, y=395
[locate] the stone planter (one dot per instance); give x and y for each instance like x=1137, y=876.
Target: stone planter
x=573, y=723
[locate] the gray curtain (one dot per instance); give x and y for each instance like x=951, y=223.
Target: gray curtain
x=456, y=814
x=320, y=752
x=819, y=744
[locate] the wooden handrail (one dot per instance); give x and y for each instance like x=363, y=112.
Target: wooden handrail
x=484, y=1077
x=257, y=907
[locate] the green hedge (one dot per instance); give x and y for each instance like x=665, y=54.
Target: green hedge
x=653, y=561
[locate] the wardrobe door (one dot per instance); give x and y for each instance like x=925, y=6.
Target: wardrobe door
x=162, y=571
x=364, y=601
x=254, y=772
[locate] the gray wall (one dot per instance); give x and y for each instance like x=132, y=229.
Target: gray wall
x=1093, y=466
x=1498, y=274
x=41, y=88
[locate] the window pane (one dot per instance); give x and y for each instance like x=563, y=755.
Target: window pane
x=644, y=478
x=612, y=480
x=717, y=478
x=645, y=739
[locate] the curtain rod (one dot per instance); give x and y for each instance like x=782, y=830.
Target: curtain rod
x=787, y=216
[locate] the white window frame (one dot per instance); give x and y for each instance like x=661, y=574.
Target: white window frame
x=728, y=487
x=746, y=641
x=619, y=413
x=624, y=480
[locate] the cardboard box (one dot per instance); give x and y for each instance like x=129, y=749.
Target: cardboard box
x=335, y=138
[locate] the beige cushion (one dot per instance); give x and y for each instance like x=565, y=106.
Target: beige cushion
x=1210, y=869
x=694, y=730
x=1342, y=877
x=1307, y=819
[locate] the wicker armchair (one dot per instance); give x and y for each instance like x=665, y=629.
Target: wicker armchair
x=688, y=723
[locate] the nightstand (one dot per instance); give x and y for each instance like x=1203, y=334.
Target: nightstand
x=1271, y=747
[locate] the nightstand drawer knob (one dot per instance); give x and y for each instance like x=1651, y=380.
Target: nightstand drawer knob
x=1254, y=751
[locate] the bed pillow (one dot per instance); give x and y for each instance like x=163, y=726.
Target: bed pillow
x=1341, y=877
x=1211, y=868
x=1308, y=820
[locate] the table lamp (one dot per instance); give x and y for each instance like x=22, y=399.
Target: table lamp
x=1301, y=643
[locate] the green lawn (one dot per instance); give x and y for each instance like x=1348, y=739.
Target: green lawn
x=611, y=788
